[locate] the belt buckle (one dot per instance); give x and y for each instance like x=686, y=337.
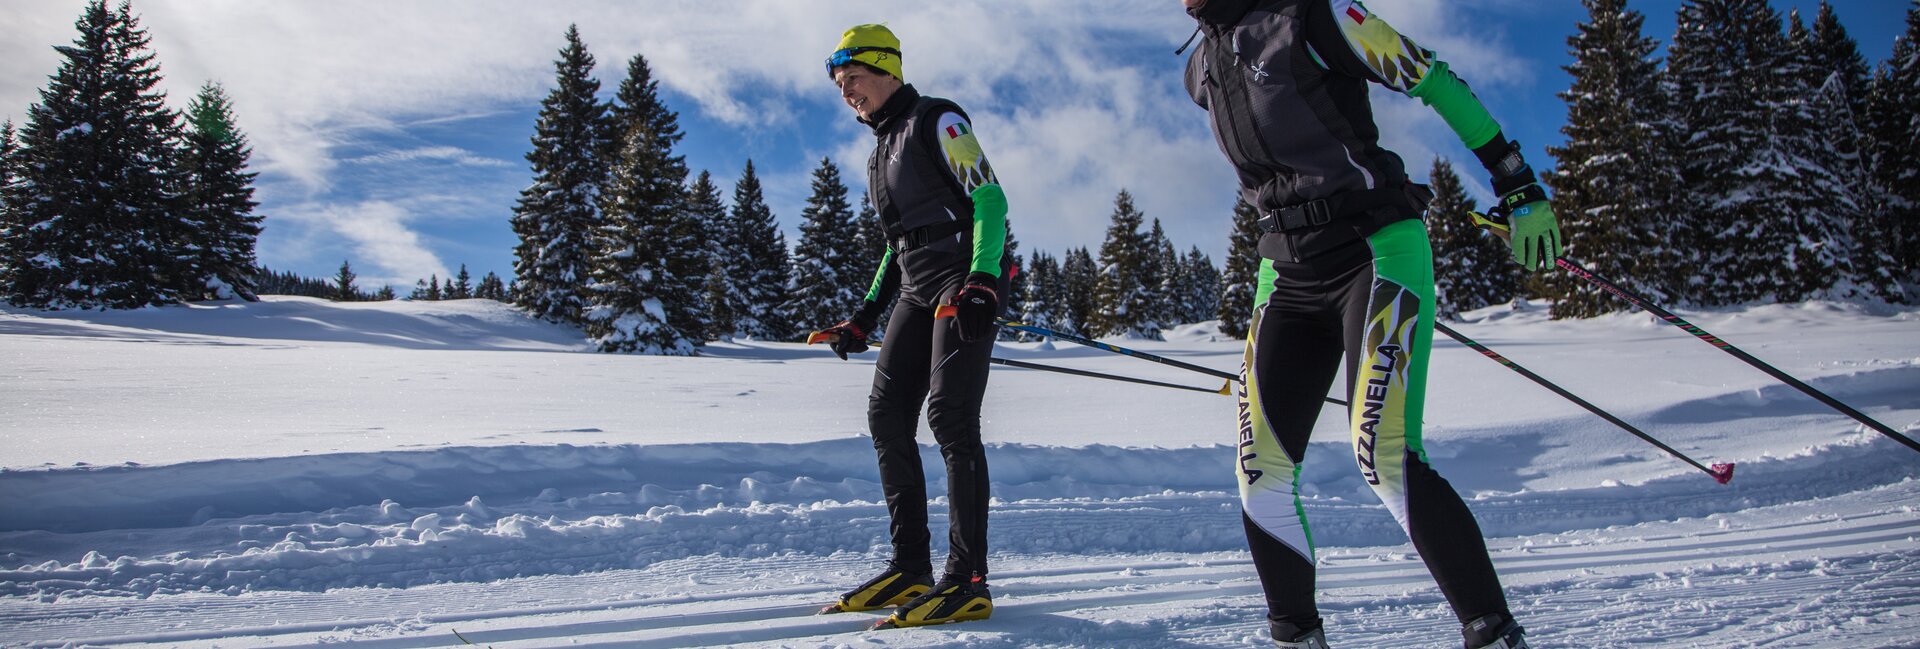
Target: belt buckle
x=1317, y=212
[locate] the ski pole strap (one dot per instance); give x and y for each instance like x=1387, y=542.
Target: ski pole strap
x=1721, y=472
x=1638, y=301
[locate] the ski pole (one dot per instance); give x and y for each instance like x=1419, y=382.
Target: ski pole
x=1721, y=472
x=946, y=311
x=1500, y=228
x=1783, y=377
x=1226, y=389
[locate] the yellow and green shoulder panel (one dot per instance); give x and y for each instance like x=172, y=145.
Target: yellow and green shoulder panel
x=1407, y=67
x=970, y=167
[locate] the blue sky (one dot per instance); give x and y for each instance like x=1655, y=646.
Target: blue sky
x=392, y=134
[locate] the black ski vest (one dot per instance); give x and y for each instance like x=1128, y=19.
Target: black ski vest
x=1295, y=131
x=908, y=180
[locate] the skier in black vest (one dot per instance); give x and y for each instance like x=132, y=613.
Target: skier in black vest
x=1347, y=271
x=944, y=217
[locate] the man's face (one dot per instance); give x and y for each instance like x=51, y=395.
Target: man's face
x=863, y=89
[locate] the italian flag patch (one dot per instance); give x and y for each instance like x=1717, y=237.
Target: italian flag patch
x=954, y=132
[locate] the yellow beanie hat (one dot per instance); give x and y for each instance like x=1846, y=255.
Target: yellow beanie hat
x=873, y=45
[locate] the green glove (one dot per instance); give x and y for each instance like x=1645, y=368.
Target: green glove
x=1535, y=231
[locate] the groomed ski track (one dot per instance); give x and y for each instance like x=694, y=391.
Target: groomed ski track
x=1718, y=581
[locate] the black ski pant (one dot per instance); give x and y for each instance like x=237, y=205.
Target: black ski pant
x=1371, y=303
x=924, y=360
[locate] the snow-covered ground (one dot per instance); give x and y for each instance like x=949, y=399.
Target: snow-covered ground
x=296, y=472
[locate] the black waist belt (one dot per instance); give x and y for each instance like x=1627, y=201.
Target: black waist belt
x=927, y=234
x=1322, y=211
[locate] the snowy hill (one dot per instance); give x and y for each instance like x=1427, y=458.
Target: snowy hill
x=297, y=472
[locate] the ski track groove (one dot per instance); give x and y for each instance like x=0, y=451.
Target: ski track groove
x=1033, y=597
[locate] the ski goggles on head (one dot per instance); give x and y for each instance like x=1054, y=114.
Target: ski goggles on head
x=845, y=56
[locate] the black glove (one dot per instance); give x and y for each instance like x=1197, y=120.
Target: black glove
x=975, y=306
x=849, y=338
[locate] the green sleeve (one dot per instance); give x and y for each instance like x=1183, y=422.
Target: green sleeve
x=1455, y=102
x=877, y=292
x=989, y=228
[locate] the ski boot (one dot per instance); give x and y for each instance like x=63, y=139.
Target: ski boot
x=1313, y=638
x=892, y=588
x=1496, y=631
x=954, y=599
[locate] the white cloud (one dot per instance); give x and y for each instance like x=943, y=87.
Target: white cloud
x=455, y=155
x=379, y=234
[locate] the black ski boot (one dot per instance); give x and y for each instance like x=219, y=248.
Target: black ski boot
x=1496, y=631
x=892, y=588
x=1296, y=637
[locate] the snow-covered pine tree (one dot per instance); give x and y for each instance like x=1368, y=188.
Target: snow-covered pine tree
x=1124, y=302
x=99, y=191
x=1199, y=292
x=684, y=248
x=872, y=239
x=9, y=215
x=556, y=217
x=1160, y=277
x=1242, y=274
x=218, y=199
x=706, y=207
x=1893, y=123
x=1830, y=147
x=1046, y=292
x=1471, y=269
x=1616, y=186
x=490, y=288
x=626, y=297
x=1765, y=235
x=758, y=260
x=1081, y=277
x=824, y=287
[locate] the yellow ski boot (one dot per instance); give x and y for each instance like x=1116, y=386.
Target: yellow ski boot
x=892, y=588
x=954, y=599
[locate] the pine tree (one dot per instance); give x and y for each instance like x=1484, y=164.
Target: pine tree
x=706, y=208
x=871, y=237
x=1046, y=303
x=1617, y=186
x=1766, y=234
x=1471, y=268
x=1893, y=124
x=343, y=288
x=96, y=224
x=9, y=214
x=1160, y=278
x=490, y=288
x=1123, y=301
x=1199, y=290
x=685, y=251
x=758, y=260
x=1017, y=287
x=821, y=290
x=460, y=287
x=1242, y=275
x=1831, y=146
x=218, y=199
x=557, y=215
x=1080, y=274
x=628, y=294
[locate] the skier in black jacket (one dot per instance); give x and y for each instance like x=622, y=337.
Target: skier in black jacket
x=944, y=217
x=1346, y=271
